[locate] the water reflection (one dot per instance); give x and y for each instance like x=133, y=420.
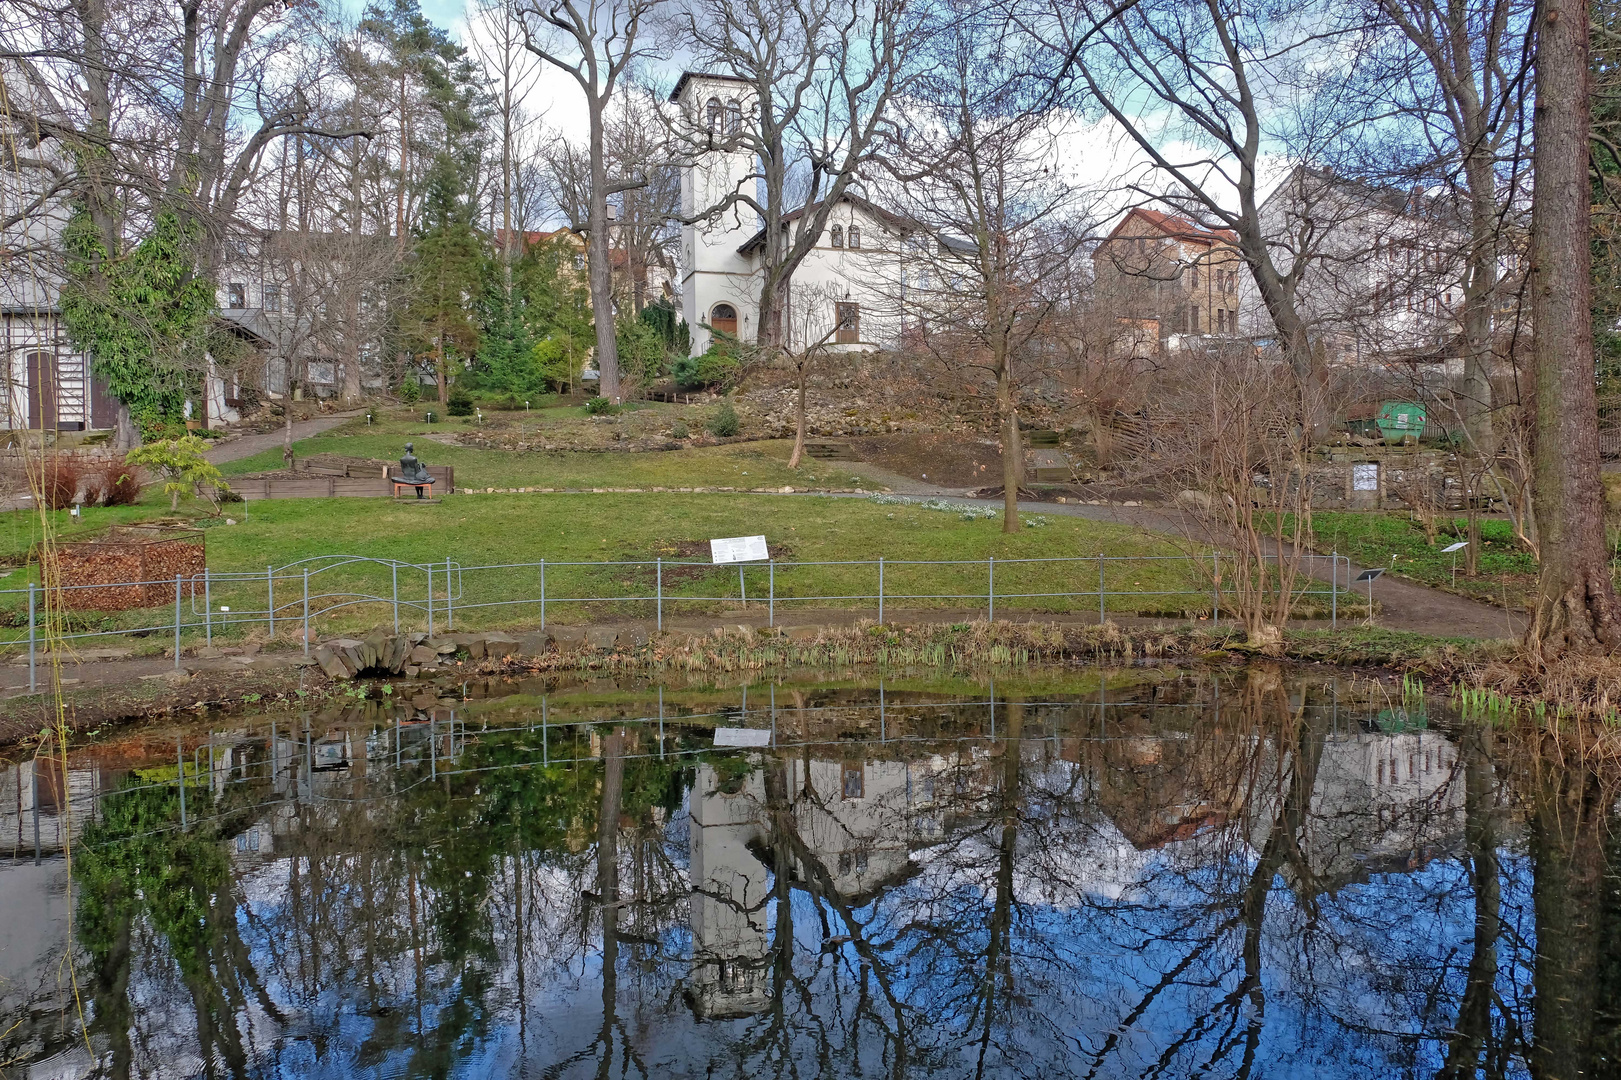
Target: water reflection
x=1150, y=876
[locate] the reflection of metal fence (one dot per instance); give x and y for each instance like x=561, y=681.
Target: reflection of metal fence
x=433, y=595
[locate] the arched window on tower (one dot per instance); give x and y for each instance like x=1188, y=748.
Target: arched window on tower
x=734, y=118
x=713, y=113
x=855, y=236
x=835, y=236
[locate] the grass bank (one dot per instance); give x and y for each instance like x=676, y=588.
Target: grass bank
x=1507, y=573
x=738, y=465
x=1024, y=658
x=934, y=559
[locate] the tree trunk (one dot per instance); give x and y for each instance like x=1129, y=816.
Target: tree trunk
x=287, y=430
x=440, y=379
x=126, y=436
x=599, y=270
x=1012, y=450
x=799, y=420
x=1576, y=600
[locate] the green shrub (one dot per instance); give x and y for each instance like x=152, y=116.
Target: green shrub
x=724, y=424
x=181, y=464
x=600, y=406
x=718, y=367
x=680, y=430
x=460, y=403
x=411, y=391
x=641, y=350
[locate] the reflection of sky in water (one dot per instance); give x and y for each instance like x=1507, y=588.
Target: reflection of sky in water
x=1361, y=989
x=1079, y=932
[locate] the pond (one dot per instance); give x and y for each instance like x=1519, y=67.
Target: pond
x=1140, y=872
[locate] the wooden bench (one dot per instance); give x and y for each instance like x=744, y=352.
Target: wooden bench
x=398, y=484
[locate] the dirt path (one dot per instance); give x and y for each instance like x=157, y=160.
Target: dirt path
x=248, y=445
x=1404, y=604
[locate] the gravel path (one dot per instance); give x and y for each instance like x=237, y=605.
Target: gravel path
x=248, y=445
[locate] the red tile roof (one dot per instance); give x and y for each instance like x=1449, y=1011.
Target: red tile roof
x=1175, y=226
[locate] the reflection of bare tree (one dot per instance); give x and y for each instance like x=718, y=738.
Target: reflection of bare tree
x=1474, y=1034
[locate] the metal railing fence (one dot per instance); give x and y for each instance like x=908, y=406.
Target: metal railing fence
x=432, y=596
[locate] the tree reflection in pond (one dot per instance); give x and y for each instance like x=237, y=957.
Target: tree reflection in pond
x=1232, y=879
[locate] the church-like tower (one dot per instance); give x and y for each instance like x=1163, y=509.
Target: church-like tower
x=719, y=285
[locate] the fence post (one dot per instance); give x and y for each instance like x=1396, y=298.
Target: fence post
x=990, y=589
x=306, y=611
x=880, y=590
x=270, y=600
x=1334, y=590
x=177, y=622
x=742, y=589
x=543, y=594
x=658, y=577
x=394, y=588
x=208, y=609
x=32, y=638
x=771, y=593
x=1102, y=614
x=450, y=600
x=180, y=768
x=429, y=568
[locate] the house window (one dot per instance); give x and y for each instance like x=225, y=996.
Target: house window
x=835, y=236
x=273, y=298
x=713, y=111
x=734, y=118
x=1193, y=319
x=236, y=295
x=723, y=317
x=1232, y=320
x=849, y=317
x=855, y=780
x=855, y=236
x=1221, y=320
x=1195, y=272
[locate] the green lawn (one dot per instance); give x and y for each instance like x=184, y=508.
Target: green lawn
x=1391, y=540
x=736, y=465
x=480, y=530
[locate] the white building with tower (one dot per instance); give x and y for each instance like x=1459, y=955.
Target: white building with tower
x=854, y=281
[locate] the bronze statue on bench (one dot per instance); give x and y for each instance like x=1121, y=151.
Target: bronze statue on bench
x=412, y=473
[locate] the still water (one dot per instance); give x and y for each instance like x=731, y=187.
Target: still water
x=1111, y=874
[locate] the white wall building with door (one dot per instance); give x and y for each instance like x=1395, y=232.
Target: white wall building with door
x=852, y=285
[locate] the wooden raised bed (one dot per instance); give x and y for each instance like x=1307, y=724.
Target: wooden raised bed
x=130, y=566
x=301, y=485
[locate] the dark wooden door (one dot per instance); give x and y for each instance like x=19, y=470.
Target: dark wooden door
x=42, y=390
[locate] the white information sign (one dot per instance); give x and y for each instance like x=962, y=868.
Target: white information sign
x=742, y=736
x=734, y=549
x=1365, y=476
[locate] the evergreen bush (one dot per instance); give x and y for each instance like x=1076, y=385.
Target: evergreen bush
x=724, y=424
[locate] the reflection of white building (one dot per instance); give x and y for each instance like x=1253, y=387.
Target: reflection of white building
x=728, y=897
x=859, y=819
x=1383, y=800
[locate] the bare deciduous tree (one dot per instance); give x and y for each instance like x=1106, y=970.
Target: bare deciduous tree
x=598, y=43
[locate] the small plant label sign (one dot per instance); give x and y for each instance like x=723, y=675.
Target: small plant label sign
x=735, y=549
x=737, y=736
